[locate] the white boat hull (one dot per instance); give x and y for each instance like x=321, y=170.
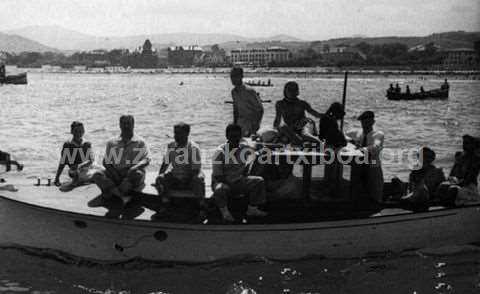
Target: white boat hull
x=106, y=240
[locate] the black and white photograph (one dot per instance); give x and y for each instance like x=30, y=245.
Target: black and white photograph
x=239, y=147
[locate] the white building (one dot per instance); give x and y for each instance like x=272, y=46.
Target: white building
x=259, y=56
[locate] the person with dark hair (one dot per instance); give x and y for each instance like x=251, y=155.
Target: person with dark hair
x=77, y=155
x=367, y=176
x=297, y=128
x=424, y=181
x=247, y=106
x=230, y=175
x=126, y=158
x=334, y=139
x=183, y=156
x=398, y=90
x=407, y=90
x=462, y=184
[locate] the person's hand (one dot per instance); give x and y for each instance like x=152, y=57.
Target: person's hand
x=454, y=180
x=131, y=170
x=57, y=183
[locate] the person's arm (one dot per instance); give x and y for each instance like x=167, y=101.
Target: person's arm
x=196, y=163
x=61, y=166
x=377, y=145
x=312, y=111
x=89, y=156
x=143, y=158
x=278, y=116
x=235, y=109
x=108, y=164
x=218, y=175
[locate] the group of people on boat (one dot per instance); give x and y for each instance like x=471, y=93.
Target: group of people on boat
x=127, y=156
x=398, y=90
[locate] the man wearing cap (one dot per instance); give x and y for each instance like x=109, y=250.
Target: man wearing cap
x=247, y=107
x=367, y=175
x=126, y=158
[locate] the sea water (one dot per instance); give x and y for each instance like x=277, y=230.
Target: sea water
x=35, y=119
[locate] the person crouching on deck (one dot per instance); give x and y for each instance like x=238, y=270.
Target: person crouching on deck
x=183, y=156
x=229, y=175
x=78, y=156
x=126, y=158
x=298, y=128
x=367, y=176
x=423, y=183
x=6, y=159
x=462, y=184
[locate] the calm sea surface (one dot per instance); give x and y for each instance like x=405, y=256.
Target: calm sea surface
x=35, y=119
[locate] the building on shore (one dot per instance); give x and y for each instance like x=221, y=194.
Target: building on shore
x=460, y=58
x=260, y=56
x=342, y=55
x=185, y=56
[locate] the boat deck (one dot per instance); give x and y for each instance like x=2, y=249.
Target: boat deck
x=184, y=209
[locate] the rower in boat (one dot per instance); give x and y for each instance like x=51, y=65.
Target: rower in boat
x=2, y=71
x=407, y=90
x=229, y=176
x=77, y=154
x=445, y=85
x=398, y=90
x=126, y=158
x=297, y=128
x=183, y=156
x=367, y=176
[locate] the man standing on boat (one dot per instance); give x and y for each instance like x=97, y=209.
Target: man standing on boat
x=367, y=177
x=183, y=155
x=230, y=175
x=247, y=106
x=126, y=158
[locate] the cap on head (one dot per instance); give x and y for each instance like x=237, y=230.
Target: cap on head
x=366, y=115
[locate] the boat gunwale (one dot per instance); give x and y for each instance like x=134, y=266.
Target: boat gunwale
x=287, y=227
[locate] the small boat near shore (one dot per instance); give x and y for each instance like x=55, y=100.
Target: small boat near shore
x=41, y=217
x=19, y=79
x=259, y=83
x=441, y=93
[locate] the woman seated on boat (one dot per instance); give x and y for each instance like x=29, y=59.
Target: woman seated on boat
x=183, y=156
x=78, y=156
x=424, y=181
x=6, y=159
x=334, y=139
x=297, y=128
x=462, y=184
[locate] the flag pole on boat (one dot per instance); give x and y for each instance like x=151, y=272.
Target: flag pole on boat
x=344, y=99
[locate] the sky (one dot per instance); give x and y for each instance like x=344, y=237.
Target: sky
x=305, y=19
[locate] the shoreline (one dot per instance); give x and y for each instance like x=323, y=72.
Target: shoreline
x=264, y=72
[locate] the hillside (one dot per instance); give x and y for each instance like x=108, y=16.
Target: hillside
x=17, y=44
x=447, y=40
x=65, y=39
